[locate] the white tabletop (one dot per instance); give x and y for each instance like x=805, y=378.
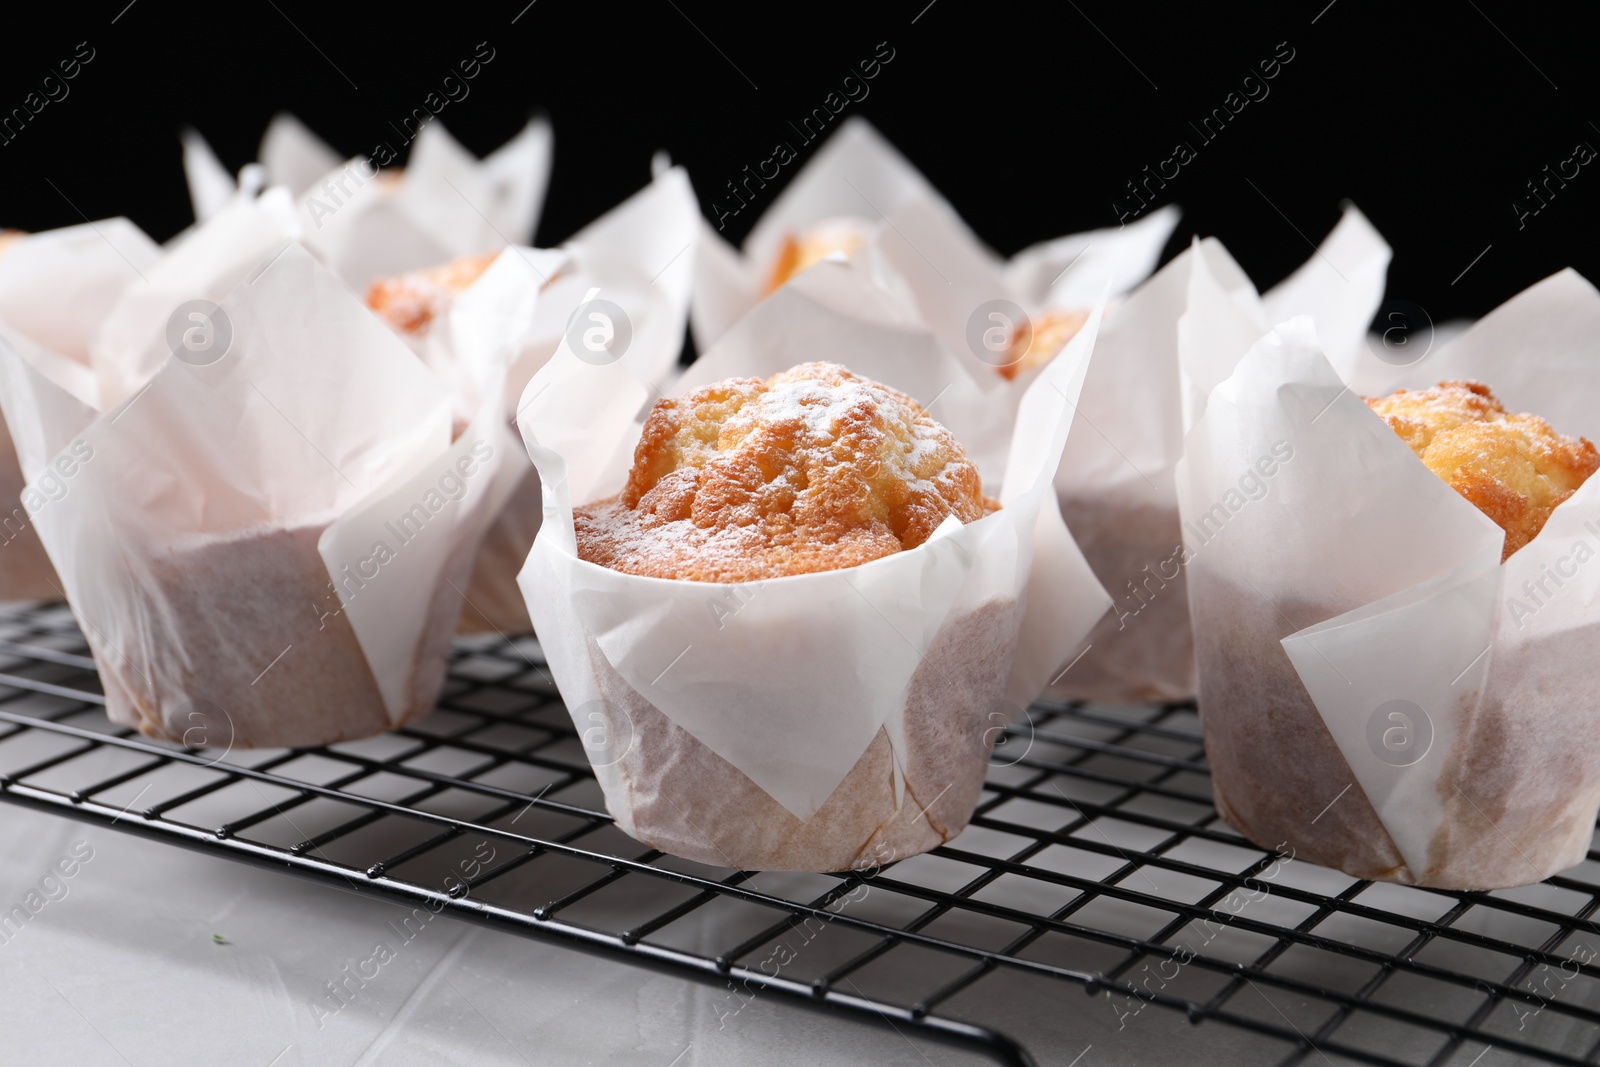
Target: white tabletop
x=123, y=968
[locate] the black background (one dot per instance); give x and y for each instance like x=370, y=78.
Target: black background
x=1029, y=118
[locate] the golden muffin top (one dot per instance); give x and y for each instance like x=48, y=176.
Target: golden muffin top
x=410, y=302
x=841, y=236
x=1516, y=468
x=814, y=469
x=1036, y=342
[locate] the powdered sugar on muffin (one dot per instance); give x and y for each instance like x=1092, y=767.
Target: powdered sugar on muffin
x=410, y=302
x=813, y=469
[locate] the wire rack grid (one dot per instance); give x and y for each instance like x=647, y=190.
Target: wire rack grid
x=1095, y=863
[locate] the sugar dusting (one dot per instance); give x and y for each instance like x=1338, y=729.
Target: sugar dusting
x=814, y=469
x=410, y=303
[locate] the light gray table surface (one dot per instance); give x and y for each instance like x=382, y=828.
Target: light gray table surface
x=122, y=968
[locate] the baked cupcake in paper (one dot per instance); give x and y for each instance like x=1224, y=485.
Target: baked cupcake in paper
x=814, y=719
x=633, y=268
x=266, y=544
x=838, y=201
x=55, y=289
x=506, y=188
x=93, y=301
x=1114, y=484
x=1379, y=689
x=1115, y=481
x=365, y=222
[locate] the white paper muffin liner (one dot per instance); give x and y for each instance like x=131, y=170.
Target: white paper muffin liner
x=445, y=203
x=267, y=543
x=56, y=288
x=796, y=722
x=1116, y=478
x=1377, y=689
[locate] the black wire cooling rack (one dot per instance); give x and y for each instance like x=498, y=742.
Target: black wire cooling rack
x=1095, y=863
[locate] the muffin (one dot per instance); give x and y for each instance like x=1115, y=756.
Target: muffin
x=787, y=629
x=1037, y=341
x=830, y=237
x=1165, y=345
x=1033, y=342
x=411, y=302
x=814, y=469
x=297, y=580
x=1515, y=469
x=782, y=605
x=8, y=238
x=1390, y=600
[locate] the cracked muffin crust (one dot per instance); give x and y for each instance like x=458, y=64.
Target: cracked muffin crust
x=1516, y=469
x=814, y=469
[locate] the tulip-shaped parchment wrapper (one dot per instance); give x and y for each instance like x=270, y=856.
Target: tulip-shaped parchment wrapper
x=93, y=304
x=813, y=721
x=1115, y=480
x=290, y=155
x=858, y=184
x=620, y=291
x=968, y=298
x=204, y=263
x=1378, y=690
x=55, y=288
x=365, y=223
x=452, y=345
x=854, y=175
x=266, y=544
x=1115, y=483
